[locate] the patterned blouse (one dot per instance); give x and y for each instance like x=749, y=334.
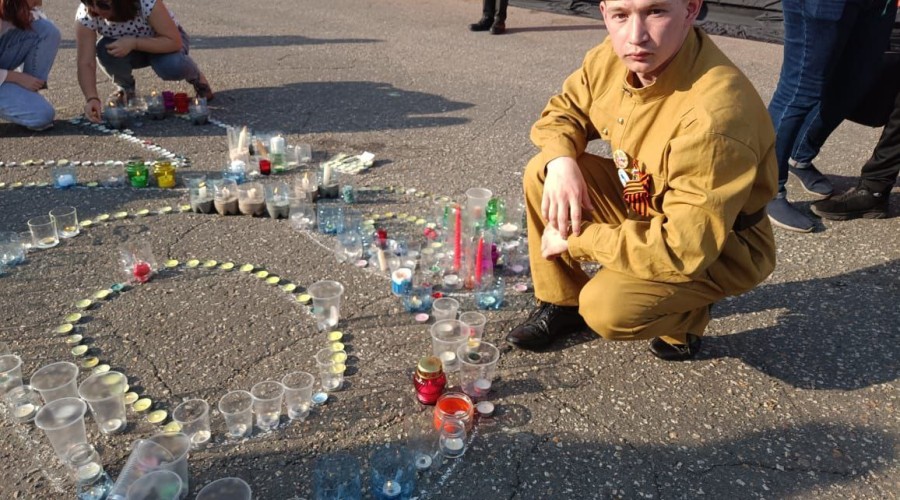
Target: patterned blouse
x=139, y=27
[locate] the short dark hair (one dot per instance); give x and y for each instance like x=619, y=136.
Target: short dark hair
x=122, y=10
x=16, y=12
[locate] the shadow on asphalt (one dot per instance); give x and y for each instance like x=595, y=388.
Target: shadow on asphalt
x=778, y=462
x=836, y=333
x=579, y=27
x=237, y=41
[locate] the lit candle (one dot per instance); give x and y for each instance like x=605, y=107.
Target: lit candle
x=305, y=181
x=391, y=489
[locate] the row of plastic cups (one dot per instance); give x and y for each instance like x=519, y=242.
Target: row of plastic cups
x=265, y=400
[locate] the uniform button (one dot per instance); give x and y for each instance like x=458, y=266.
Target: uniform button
x=604, y=131
x=621, y=121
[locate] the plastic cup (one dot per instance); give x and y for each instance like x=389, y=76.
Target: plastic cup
x=267, y=397
x=193, y=417
x=298, y=387
x=446, y=337
x=336, y=476
x=105, y=394
x=12, y=248
x=227, y=488
x=56, y=380
x=330, y=216
x=156, y=485
x=66, y=221
x=326, y=298
x=331, y=366
x=302, y=213
x=200, y=192
x=146, y=456
x=477, y=200
x=43, y=231
x=251, y=199
x=178, y=445
x=478, y=367
x=91, y=481
x=392, y=472
x=237, y=409
x=24, y=403
x=444, y=308
x=475, y=322
x=62, y=421
x=10, y=373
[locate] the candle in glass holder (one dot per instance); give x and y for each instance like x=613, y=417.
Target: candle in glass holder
x=276, y=153
x=164, y=172
x=137, y=172
x=198, y=111
x=429, y=380
x=155, y=107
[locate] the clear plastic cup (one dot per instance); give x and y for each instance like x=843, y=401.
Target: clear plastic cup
x=331, y=366
x=66, y=221
x=156, y=485
x=302, y=213
x=392, y=472
x=146, y=456
x=24, y=403
x=237, y=409
x=91, y=481
x=267, y=398
x=43, y=231
x=12, y=249
x=56, y=380
x=200, y=192
x=62, y=421
x=475, y=322
x=446, y=337
x=478, y=368
x=227, y=488
x=444, y=308
x=178, y=445
x=252, y=199
x=476, y=201
x=193, y=417
x=10, y=373
x=326, y=298
x=336, y=476
x=105, y=394
x=298, y=388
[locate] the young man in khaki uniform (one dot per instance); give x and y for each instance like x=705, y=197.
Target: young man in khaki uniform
x=677, y=217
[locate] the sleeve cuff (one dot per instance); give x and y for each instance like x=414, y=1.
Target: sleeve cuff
x=581, y=247
x=553, y=151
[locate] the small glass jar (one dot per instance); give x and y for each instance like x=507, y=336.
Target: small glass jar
x=454, y=404
x=90, y=478
x=137, y=172
x=164, y=172
x=453, y=437
x=429, y=380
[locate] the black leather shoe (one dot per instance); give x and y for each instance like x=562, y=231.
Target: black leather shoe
x=670, y=352
x=483, y=25
x=545, y=324
x=498, y=28
x=855, y=203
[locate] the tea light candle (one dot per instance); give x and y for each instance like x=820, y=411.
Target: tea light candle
x=448, y=357
x=451, y=280
x=391, y=489
x=24, y=411
x=482, y=385
x=509, y=230
x=454, y=444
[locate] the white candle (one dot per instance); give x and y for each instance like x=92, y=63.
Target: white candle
x=391, y=489
x=326, y=175
x=382, y=261
x=483, y=385
x=451, y=280
x=276, y=145
x=509, y=230
x=448, y=357
x=305, y=182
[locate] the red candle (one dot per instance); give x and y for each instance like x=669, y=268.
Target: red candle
x=479, y=257
x=457, y=239
x=265, y=166
x=141, y=272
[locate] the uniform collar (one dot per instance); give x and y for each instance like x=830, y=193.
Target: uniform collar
x=671, y=77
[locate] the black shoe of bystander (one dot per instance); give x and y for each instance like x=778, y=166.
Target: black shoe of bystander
x=544, y=325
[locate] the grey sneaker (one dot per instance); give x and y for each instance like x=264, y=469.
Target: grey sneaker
x=813, y=181
x=785, y=216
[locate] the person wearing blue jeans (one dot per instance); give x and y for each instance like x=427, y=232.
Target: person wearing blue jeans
x=133, y=34
x=832, y=53
x=29, y=40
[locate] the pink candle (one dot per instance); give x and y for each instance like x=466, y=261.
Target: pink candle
x=457, y=239
x=479, y=257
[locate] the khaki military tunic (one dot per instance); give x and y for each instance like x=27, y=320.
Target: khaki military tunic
x=704, y=137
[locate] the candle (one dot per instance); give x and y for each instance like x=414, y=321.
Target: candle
x=391, y=489
x=382, y=261
x=482, y=385
x=326, y=175
x=276, y=145
x=457, y=239
x=479, y=256
x=448, y=357
x=304, y=183
x=451, y=280
x=509, y=230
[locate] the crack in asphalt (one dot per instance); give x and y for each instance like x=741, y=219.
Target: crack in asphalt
x=519, y=461
x=777, y=468
x=178, y=238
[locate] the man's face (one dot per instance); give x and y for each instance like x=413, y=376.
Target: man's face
x=646, y=34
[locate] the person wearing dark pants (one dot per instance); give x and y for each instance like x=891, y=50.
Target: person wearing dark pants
x=493, y=17
x=831, y=54
x=869, y=199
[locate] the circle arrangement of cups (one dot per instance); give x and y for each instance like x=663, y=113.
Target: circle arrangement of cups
x=192, y=417
x=105, y=394
x=267, y=399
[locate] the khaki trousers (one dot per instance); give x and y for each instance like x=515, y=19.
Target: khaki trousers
x=615, y=305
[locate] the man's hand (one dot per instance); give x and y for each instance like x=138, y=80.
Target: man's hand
x=565, y=193
x=122, y=47
x=553, y=243
x=92, y=110
x=25, y=81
